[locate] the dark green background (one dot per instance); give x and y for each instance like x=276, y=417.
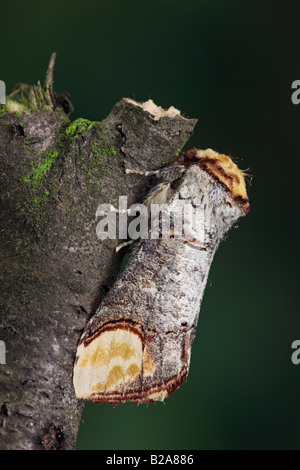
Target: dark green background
x=231, y=65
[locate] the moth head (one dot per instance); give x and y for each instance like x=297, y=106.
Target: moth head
x=222, y=169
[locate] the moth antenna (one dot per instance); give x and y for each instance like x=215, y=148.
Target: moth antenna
x=129, y=171
x=122, y=245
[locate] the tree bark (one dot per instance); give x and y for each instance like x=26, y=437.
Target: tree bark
x=54, y=270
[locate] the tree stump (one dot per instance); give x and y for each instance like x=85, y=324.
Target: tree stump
x=54, y=270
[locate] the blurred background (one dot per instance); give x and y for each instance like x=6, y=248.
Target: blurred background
x=231, y=64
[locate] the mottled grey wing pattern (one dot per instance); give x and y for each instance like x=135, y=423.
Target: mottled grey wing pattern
x=138, y=345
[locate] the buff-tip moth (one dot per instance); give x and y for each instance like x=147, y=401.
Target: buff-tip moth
x=137, y=347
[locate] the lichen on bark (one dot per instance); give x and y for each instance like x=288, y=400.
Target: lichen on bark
x=54, y=270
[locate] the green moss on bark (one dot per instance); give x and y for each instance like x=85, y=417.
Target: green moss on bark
x=26, y=99
x=79, y=127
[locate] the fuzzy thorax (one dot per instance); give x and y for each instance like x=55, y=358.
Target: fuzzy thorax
x=222, y=169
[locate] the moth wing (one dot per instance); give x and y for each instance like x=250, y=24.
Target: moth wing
x=122, y=364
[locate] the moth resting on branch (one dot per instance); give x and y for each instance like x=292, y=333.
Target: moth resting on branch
x=137, y=347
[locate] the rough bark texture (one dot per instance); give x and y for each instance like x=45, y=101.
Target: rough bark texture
x=54, y=270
